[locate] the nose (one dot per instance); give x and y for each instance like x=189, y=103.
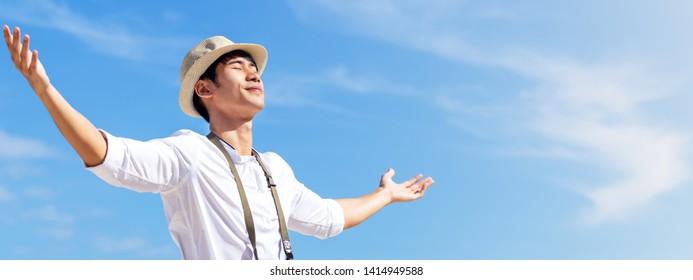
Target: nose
x=253, y=76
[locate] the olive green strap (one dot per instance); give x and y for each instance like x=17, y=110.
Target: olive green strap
x=249, y=224
x=286, y=242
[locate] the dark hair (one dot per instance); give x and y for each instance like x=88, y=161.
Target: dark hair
x=211, y=74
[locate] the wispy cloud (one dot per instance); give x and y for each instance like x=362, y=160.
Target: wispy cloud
x=57, y=233
x=16, y=169
x=6, y=195
x=298, y=91
x=588, y=110
x=138, y=245
x=50, y=221
x=102, y=36
x=108, y=244
x=17, y=147
x=49, y=214
x=308, y=89
x=596, y=112
x=39, y=192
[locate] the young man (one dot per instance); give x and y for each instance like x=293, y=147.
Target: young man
x=222, y=199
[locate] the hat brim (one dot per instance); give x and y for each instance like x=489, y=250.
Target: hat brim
x=257, y=52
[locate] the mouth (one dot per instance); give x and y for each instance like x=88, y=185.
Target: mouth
x=254, y=89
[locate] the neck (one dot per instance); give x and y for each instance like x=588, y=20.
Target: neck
x=238, y=134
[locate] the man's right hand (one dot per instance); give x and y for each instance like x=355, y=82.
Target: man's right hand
x=89, y=143
x=26, y=61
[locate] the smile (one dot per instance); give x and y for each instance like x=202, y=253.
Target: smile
x=254, y=89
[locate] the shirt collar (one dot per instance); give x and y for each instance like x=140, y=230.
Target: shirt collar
x=237, y=158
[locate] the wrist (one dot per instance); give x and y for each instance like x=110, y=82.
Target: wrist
x=42, y=90
x=384, y=195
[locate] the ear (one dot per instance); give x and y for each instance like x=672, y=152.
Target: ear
x=203, y=88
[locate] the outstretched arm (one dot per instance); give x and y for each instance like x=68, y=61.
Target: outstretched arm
x=357, y=210
x=77, y=130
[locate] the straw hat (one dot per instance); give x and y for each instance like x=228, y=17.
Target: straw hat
x=201, y=57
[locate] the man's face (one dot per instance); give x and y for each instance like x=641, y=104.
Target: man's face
x=239, y=91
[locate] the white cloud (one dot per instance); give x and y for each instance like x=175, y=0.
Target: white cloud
x=134, y=244
x=108, y=244
x=98, y=213
x=21, y=170
x=593, y=107
x=305, y=90
x=104, y=37
x=296, y=91
x=645, y=161
x=338, y=77
x=6, y=195
x=49, y=214
x=17, y=147
x=57, y=233
x=39, y=192
x=596, y=111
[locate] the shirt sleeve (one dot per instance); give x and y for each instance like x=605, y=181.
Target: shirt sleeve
x=310, y=214
x=316, y=216
x=152, y=166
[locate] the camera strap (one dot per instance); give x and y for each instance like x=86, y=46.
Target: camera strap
x=249, y=224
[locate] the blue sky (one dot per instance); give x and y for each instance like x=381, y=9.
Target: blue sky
x=553, y=129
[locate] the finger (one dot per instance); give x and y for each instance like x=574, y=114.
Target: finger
x=7, y=35
x=24, y=52
x=34, y=61
x=15, y=46
x=426, y=183
x=15, y=38
x=413, y=180
x=416, y=187
x=388, y=175
x=421, y=193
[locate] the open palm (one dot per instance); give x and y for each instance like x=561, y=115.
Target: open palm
x=26, y=61
x=409, y=190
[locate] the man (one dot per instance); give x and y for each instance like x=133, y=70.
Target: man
x=222, y=199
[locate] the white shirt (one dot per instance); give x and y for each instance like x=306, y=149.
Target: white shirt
x=201, y=200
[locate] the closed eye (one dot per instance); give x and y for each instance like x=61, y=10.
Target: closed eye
x=234, y=64
x=238, y=63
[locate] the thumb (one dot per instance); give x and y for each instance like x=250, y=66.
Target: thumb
x=389, y=174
